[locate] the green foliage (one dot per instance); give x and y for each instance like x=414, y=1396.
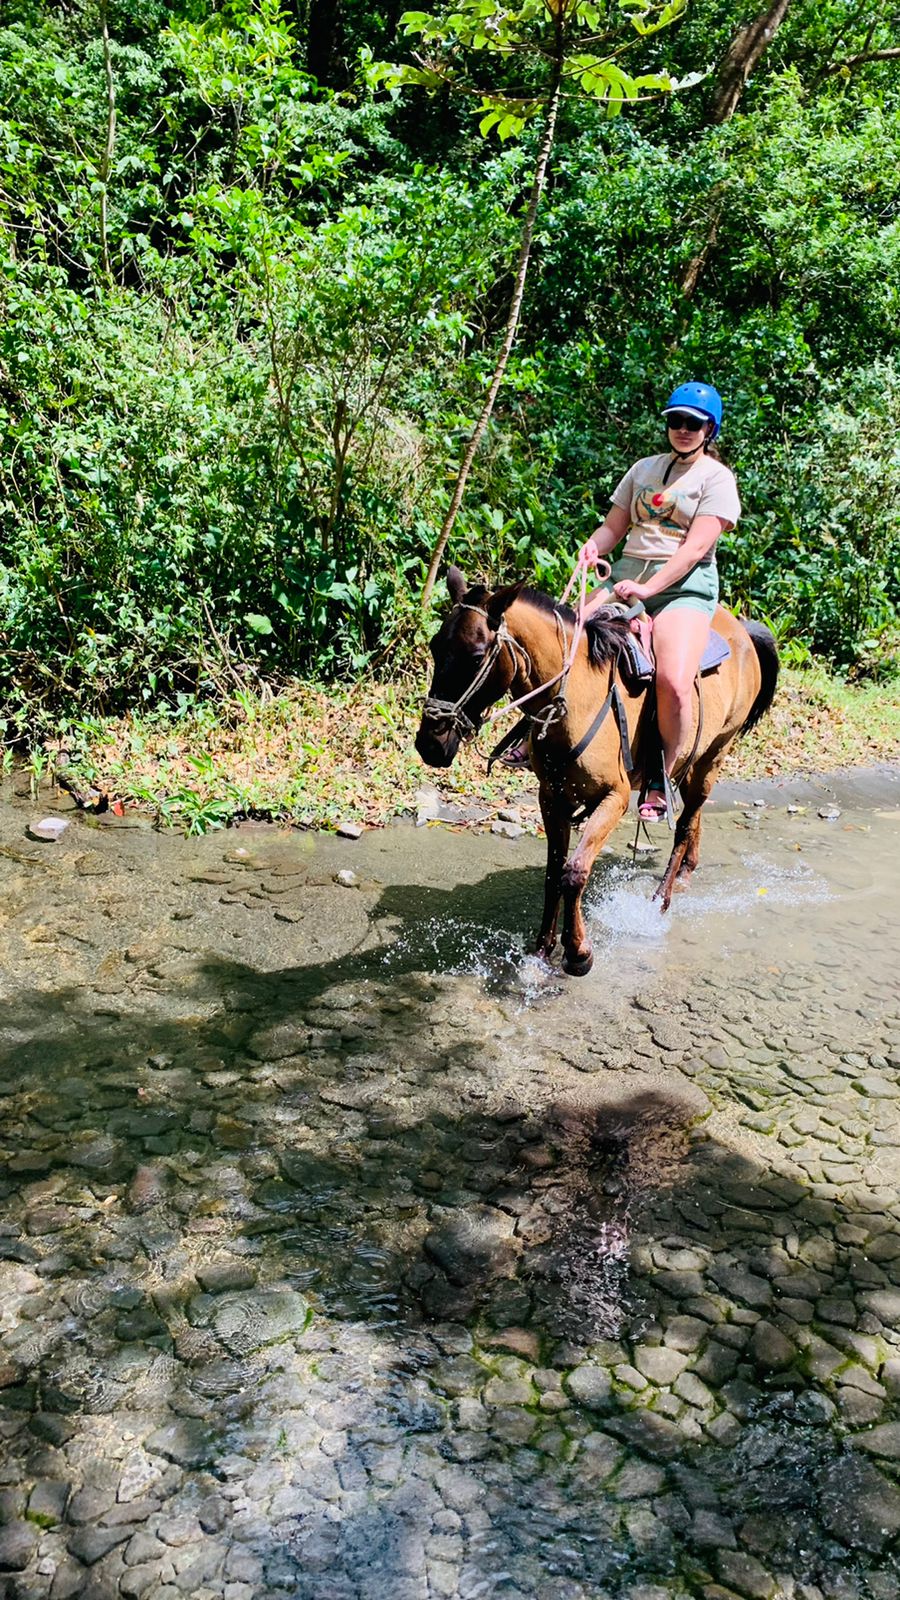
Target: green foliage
x=238, y=357
x=528, y=37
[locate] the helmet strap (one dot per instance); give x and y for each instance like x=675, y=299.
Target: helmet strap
x=684, y=455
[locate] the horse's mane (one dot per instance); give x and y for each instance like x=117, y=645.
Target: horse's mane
x=604, y=631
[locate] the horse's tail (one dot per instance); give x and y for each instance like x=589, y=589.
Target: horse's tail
x=767, y=656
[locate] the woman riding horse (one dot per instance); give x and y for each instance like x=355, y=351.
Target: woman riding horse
x=591, y=741
x=673, y=508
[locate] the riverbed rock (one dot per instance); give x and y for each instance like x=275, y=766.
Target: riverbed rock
x=474, y=1244
x=247, y=1322
x=17, y=1545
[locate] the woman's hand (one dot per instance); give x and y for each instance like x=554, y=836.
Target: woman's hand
x=589, y=552
x=628, y=591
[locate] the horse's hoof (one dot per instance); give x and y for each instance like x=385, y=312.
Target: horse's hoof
x=578, y=966
x=663, y=893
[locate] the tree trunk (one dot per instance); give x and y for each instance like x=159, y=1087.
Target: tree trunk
x=512, y=323
x=745, y=50
x=106, y=159
x=324, y=41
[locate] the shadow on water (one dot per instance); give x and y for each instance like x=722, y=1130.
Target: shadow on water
x=565, y=1339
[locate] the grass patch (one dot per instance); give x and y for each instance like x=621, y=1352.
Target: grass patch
x=318, y=757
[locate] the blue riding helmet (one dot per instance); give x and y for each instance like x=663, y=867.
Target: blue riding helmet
x=700, y=398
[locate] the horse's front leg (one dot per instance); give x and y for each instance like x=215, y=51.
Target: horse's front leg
x=686, y=846
x=578, y=955
x=558, y=828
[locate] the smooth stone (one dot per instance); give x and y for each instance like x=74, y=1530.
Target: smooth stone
x=654, y=1436
x=17, y=1543
x=349, y=830
x=709, y=1530
x=92, y=1544
x=743, y=1286
x=745, y=1574
x=659, y=1363
x=771, y=1348
x=508, y=1392
x=590, y=1386
x=473, y=1244
x=188, y=1442
x=217, y=1276
x=508, y=830
x=48, y=830
x=518, y=1341
x=248, y=1322
x=882, y=1441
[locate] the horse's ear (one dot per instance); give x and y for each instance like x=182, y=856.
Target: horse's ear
x=457, y=585
x=501, y=600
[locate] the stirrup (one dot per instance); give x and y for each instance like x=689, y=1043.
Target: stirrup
x=665, y=788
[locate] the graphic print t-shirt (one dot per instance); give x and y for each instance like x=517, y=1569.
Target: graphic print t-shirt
x=662, y=513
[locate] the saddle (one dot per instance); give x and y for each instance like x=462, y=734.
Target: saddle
x=636, y=661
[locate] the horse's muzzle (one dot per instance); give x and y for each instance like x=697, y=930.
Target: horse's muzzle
x=437, y=750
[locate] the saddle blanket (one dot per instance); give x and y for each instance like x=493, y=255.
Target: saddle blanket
x=641, y=667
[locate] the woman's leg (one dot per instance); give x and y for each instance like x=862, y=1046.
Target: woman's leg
x=679, y=639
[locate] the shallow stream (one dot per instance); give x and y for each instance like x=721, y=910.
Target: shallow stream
x=345, y=1254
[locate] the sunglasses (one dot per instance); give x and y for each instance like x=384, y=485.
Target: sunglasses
x=682, y=420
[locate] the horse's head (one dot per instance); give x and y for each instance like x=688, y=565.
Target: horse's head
x=472, y=667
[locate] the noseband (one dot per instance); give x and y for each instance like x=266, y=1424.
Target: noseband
x=448, y=716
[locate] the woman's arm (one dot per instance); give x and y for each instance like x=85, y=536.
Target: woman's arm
x=614, y=527
x=699, y=540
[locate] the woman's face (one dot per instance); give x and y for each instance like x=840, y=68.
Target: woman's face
x=686, y=433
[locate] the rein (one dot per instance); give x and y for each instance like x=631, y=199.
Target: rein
x=556, y=708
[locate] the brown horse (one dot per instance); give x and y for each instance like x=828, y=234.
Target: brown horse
x=514, y=640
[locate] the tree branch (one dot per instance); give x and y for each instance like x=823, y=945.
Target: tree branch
x=860, y=60
x=512, y=324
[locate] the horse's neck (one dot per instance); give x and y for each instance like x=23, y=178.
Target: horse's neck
x=543, y=637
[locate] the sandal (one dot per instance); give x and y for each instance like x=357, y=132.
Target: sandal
x=516, y=756
x=653, y=808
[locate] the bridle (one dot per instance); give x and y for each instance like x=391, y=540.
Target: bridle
x=448, y=716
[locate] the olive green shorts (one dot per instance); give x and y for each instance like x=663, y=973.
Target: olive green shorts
x=698, y=590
